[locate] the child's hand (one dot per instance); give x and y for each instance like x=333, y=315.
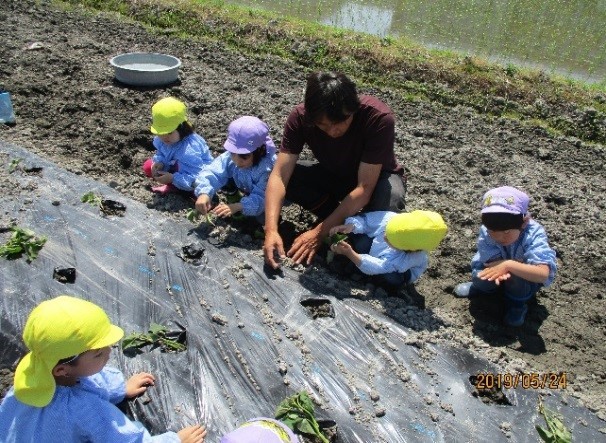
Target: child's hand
x=156, y=167
x=138, y=384
x=225, y=210
x=192, y=434
x=345, y=229
x=342, y=248
x=165, y=178
x=203, y=204
x=496, y=271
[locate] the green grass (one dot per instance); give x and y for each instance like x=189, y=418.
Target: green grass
x=395, y=63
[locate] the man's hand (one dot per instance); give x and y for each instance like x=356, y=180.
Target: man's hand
x=496, y=271
x=192, y=434
x=138, y=384
x=203, y=204
x=165, y=178
x=273, y=248
x=306, y=245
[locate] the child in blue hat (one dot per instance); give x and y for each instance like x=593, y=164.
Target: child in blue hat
x=513, y=257
x=249, y=158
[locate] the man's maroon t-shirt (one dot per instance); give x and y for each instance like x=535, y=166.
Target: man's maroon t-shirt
x=369, y=139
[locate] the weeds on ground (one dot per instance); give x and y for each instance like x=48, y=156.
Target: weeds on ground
x=22, y=241
x=556, y=431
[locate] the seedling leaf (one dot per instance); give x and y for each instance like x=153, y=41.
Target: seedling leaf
x=557, y=431
x=297, y=412
x=92, y=198
x=22, y=241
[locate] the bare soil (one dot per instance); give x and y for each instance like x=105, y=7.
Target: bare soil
x=71, y=110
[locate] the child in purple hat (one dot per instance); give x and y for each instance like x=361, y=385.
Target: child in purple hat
x=262, y=429
x=249, y=158
x=513, y=256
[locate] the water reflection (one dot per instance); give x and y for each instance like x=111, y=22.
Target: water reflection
x=563, y=36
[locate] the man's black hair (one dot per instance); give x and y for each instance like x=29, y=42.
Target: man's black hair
x=330, y=94
x=502, y=221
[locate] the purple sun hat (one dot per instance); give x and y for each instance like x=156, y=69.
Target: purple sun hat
x=262, y=429
x=246, y=134
x=505, y=199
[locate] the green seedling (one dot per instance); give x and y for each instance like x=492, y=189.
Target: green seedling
x=333, y=240
x=13, y=165
x=92, y=198
x=22, y=241
x=556, y=431
x=297, y=412
x=157, y=335
x=193, y=216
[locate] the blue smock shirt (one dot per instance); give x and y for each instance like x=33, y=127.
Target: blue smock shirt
x=85, y=412
x=251, y=181
x=190, y=154
x=531, y=247
x=382, y=258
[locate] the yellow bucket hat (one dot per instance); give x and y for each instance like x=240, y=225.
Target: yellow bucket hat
x=416, y=230
x=167, y=115
x=56, y=329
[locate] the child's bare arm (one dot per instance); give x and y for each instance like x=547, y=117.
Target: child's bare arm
x=498, y=271
x=138, y=384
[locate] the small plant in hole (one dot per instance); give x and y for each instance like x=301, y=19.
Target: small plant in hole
x=157, y=335
x=193, y=216
x=14, y=165
x=22, y=241
x=297, y=412
x=556, y=431
x=92, y=198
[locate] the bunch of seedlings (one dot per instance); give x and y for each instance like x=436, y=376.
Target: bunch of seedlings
x=156, y=336
x=22, y=241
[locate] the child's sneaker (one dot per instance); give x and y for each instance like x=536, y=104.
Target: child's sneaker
x=463, y=289
x=515, y=315
x=164, y=189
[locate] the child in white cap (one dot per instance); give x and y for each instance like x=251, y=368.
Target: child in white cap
x=513, y=257
x=180, y=152
x=249, y=158
x=394, y=246
x=63, y=392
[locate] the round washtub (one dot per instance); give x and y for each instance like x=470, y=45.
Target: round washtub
x=146, y=68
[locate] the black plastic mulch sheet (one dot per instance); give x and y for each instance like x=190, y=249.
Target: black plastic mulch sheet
x=250, y=342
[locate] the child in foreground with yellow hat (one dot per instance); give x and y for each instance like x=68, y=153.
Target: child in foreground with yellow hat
x=62, y=390
x=394, y=245
x=180, y=152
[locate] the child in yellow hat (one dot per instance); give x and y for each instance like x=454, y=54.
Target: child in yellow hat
x=393, y=245
x=63, y=392
x=180, y=152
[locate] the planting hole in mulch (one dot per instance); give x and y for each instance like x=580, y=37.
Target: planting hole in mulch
x=112, y=207
x=328, y=428
x=65, y=275
x=493, y=395
x=318, y=307
x=191, y=253
x=33, y=170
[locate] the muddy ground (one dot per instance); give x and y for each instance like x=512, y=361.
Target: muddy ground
x=71, y=110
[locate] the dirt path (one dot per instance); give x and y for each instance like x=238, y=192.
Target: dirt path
x=70, y=110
